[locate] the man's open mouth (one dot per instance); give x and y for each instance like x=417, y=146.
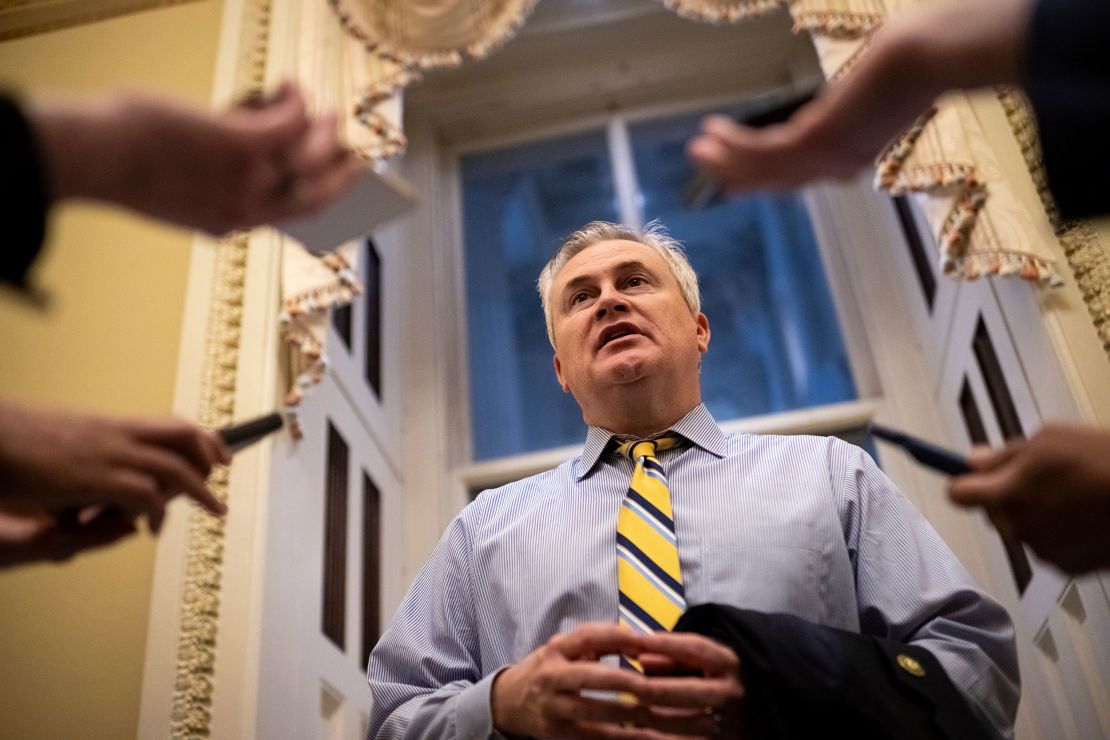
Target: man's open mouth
x=616, y=331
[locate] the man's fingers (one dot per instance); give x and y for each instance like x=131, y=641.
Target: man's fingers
x=175, y=476
x=711, y=153
x=682, y=722
x=216, y=448
x=20, y=527
x=576, y=677
x=983, y=458
x=195, y=444
x=133, y=490
x=319, y=147
x=107, y=527
x=692, y=650
x=314, y=192
x=688, y=692
x=980, y=489
x=724, y=128
x=658, y=665
x=995, y=474
x=278, y=125
x=573, y=708
x=598, y=638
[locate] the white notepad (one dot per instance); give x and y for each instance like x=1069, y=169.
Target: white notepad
x=376, y=197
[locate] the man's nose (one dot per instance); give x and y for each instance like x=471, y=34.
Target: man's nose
x=610, y=300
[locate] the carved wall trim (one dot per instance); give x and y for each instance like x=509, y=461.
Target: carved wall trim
x=194, y=670
x=19, y=18
x=1087, y=256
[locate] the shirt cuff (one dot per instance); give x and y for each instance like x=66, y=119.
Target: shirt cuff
x=23, y=193
x=473, y=718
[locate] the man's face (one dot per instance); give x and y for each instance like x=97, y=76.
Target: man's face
x=619, y=317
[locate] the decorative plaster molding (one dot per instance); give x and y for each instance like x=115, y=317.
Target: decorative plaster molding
x=194, y=671
x=200, y=600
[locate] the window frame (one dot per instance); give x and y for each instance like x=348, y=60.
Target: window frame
x=465, y=474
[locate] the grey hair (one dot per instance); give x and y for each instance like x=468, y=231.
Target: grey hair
x=653, y=235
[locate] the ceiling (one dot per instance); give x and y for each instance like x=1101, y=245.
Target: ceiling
x=576, y=58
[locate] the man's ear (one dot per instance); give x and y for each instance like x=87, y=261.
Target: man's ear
x=559, y=374
x=703, y=332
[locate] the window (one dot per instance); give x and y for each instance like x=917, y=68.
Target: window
x=977, y=433
x=918, y=253
x=341, y=320
x=372, y=300
x=371, y=566
x=333, y=618
x=518, y=205
x=342, y=317
x=997, y=388
x=776, y=343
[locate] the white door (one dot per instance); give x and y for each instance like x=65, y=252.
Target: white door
x=1063, y=625
x=334, y=529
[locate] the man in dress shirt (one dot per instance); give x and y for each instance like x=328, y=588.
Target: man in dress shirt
x=802, y=545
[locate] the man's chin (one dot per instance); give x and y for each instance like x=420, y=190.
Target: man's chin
x=628, y=367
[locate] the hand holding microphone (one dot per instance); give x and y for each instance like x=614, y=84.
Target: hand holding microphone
x=71, y=481
x=1051, y=491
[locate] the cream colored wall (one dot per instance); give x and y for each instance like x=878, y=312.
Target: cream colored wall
x=72, y=637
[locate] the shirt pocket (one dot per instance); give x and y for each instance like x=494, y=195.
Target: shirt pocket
x=767, y=568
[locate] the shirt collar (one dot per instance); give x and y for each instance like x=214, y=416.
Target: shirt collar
x=698, y=426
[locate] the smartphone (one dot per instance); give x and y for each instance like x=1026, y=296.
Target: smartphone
x=376, y=197
x=704, y=189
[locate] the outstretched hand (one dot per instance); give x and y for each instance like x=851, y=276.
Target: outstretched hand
x=1051, y=491
x=259, y=162
x=909, y=63
x=28, y=536
x=52, y=461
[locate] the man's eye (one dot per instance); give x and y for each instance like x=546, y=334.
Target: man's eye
x=635, y=281
x=578, y=297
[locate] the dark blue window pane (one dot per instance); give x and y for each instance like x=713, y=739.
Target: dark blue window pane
x=518, y=205
x=775, y=342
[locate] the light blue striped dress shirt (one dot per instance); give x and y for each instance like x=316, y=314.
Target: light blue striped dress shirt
x=803, y=525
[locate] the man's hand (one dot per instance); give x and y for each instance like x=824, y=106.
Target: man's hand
x=692, y=678
x=56, y=460
x=1052, y=491
x=251, y=165
x=28, y=536
x=541, y=695
x=910, y=62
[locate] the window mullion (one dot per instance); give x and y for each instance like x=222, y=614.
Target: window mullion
x=624, y=173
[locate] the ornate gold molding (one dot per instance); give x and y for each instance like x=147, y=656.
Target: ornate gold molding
x=19, y=18
x=200, y=601
x=194, y=673
x=1086, y=254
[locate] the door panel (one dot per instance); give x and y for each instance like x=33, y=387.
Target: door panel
x=308, y=685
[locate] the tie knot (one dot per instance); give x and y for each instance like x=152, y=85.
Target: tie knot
x=634, y=449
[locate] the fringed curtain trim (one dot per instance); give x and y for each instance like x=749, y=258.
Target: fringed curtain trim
x=843, y=18
x=725, y=11
x=432, y=33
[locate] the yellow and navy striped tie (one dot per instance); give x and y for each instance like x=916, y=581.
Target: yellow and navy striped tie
x=648, y=573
